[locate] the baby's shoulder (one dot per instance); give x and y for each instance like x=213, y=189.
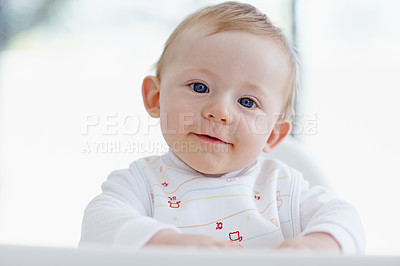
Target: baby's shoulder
x=272, y=165
x=276, y=174
x=135, y=169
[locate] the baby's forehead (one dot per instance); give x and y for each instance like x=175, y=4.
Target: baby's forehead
x=200, y=32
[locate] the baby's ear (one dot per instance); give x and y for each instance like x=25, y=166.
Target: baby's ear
x=151, y=95
x=279, y=133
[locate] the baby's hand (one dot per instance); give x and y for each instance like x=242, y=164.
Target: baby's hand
x=169, y=237
x=313, y=241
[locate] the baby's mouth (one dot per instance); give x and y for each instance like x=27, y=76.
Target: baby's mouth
x=210, y=138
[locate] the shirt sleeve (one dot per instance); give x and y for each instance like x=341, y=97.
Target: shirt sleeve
x=121, y=214
x=321, y=211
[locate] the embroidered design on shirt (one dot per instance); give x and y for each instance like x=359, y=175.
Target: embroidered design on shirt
x=275, y=222
x=235, y=236
x=150, y=160
x=256, y=195
x=173, y=203
x=278, y=200
x=219, y=226
x=165, y=172
x=165, y=184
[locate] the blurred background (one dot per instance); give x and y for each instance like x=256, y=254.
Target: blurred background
x=71, y=108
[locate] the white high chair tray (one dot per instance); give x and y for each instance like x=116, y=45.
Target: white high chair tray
x=46, y=256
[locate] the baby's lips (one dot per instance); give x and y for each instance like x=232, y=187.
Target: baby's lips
x=218, y=139
x=213, y=137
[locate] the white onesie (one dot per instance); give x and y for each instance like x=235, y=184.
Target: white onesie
x=259, y=206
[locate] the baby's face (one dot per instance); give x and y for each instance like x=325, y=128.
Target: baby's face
x=220, y=99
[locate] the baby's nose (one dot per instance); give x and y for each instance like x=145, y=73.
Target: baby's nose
x=217, y=111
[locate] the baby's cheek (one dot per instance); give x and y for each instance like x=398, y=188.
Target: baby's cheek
x=262, y=125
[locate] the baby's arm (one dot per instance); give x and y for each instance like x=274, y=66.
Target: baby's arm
x=312, y=241
x=120, y=215
x=170, y=237
x=327, y=223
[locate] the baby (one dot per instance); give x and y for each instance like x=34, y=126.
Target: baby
x=224, y=92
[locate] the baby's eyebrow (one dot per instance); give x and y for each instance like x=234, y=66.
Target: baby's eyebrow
x=201, y=70
x=257, y=88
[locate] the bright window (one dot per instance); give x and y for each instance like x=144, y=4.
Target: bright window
x=350, y=56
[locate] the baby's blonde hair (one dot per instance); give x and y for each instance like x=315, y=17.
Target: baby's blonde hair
x=234, y=16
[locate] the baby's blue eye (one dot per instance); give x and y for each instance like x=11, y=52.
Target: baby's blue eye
x=199, y=87
x=246, y=102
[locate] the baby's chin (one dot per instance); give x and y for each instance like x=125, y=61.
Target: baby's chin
x=212, y=163
x=210, y=169
x=202, y=168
